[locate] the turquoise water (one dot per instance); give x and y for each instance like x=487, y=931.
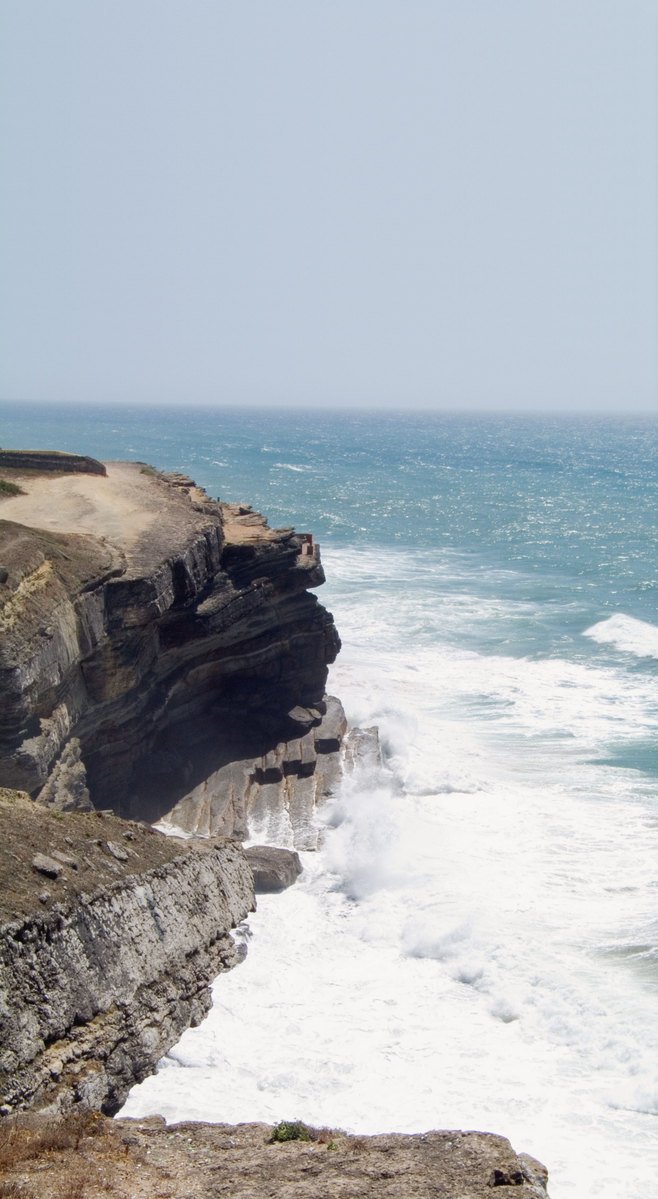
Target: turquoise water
x=570, y=503
x=558, y=518
x=490, y=897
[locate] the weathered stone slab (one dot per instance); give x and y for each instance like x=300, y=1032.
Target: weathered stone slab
x=44, y=864
x=273, y=869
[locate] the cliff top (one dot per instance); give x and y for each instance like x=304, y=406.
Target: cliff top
x=91, y=850
x=139, y=516
x=131, y=509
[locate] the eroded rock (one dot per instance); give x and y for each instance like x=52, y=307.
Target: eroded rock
x=44, y=864
x=273, y=869
x=101, y=974
x=152, y=639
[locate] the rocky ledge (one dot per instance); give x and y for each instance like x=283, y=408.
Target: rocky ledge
x=105, y=1159
x=110, y=935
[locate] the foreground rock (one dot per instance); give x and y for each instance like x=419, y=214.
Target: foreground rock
x=108, y=945
x=142, y=1158
x=273, y=869
x=159, y=652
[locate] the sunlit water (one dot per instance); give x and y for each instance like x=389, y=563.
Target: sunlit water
x=476, y=944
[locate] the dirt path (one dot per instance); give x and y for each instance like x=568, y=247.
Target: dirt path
x=120, y=507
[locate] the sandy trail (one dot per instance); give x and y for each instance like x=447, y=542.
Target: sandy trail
x=120, y=507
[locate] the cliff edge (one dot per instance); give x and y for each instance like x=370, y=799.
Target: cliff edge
x=161, y=657
x=159, y=649
x=110, y=936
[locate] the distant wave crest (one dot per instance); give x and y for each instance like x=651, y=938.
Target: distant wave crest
x=627, y=634
x=292, y=466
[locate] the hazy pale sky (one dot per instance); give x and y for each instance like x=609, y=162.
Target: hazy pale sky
x=445, y=203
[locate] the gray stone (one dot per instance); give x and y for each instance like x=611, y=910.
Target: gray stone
x=363, y=748
x=94, y=992
x=46, y=865
x=66, y=789
x=116, y=851
x=273, y=869
x=65, y=859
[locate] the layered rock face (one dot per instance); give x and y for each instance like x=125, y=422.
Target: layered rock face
x=160, y=651
x=50, y=460
x=108, y=944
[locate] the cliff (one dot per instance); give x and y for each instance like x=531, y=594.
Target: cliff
x=110, y=935
x=161, y=658
x=159, y=650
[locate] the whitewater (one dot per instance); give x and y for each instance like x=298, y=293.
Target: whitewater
x=476, y=943
x=474, y=946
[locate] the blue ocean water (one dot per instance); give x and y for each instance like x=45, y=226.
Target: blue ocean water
x=569, y=503
x=490, y=896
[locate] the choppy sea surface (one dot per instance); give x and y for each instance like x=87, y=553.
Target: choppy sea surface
x=476, y=945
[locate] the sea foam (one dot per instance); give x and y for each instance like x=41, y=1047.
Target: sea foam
x=627, y=634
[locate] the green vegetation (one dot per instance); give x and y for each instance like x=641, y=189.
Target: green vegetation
x=290, y=1130
x=7, y=488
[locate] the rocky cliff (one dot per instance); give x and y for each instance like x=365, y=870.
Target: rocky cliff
x=110, y=935
x=160, y=658
x=159, y=651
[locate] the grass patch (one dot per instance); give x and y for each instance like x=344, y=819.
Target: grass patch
x=290, y=1130
x=25, y=1138
x=7, y=488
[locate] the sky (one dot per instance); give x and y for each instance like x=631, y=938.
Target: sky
x=443, y=204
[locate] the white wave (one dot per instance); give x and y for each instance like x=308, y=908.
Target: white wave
x=292, y=466
x=627, y=634
x=444, y=960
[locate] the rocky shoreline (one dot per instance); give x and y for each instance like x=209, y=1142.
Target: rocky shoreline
x=162, y=659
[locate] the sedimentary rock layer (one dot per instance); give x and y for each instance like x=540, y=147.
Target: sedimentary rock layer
x=109, y=941
x=150, y=637
x=52, y=460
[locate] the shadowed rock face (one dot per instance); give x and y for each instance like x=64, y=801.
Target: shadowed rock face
x=149, y=638
x=54, y=460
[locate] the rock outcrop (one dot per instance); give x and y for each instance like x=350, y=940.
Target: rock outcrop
x=161, y=651
x=108, y=944
x=143, y=1158
x=273, y=869
x=50, y=460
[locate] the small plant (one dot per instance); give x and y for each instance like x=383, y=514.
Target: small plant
x=290, y=1130
x=7, y=488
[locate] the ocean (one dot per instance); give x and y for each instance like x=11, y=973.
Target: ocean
x=476, y=944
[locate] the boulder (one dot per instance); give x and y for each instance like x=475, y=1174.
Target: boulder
x=273, y=869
